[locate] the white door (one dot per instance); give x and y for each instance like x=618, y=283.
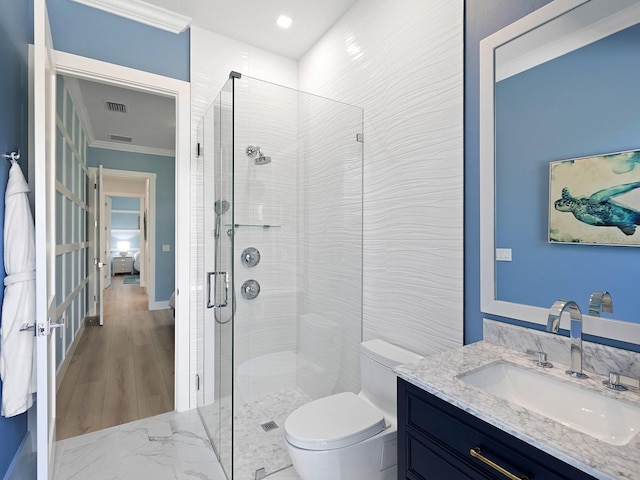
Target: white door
x=106, y=231
x=43, y=113
x=98, y=237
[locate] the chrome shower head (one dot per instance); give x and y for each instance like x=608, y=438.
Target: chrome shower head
x=259, y=158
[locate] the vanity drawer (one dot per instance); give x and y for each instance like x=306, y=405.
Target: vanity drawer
x=429, y=426
x=428, y=460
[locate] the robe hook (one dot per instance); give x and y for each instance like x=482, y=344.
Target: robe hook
x=13, y=156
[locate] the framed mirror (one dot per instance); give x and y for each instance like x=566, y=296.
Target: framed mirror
x=556, y=85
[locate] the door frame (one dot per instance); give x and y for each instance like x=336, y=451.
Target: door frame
x=98, y=71
x=42, y=88
x=150, y=199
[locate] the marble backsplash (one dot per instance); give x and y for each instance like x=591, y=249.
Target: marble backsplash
x=597, y=358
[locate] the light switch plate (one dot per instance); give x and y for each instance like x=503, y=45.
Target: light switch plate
x=503, y=254
x=166, y=248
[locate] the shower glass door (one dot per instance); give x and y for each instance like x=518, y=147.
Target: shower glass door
x=281, y=265
x=215, y=335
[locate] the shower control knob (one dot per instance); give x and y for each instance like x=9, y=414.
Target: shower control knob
x=250, y=289
x=250, y=257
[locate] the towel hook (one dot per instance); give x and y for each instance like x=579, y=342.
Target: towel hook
x=13, y=156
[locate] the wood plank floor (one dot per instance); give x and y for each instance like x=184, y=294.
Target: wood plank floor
x=121, y=371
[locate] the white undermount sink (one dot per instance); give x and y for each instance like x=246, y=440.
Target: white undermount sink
x=587, y=411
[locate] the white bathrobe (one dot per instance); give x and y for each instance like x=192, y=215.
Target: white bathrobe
x=17, y=350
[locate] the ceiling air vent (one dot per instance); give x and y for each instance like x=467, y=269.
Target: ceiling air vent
x=116, y=107
x=120, y=138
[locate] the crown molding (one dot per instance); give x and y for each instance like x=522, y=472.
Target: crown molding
x=132, y=148
x=142, y=12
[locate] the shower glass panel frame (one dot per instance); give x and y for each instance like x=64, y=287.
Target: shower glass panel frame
x=279, y=171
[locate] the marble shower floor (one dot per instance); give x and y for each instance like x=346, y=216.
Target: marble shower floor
x=255, y=448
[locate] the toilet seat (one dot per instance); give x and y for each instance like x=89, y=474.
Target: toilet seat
x=333, y=422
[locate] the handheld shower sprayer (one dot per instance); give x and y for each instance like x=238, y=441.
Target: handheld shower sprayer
x=221, y=207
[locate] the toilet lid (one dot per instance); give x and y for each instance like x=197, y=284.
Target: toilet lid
x=333, y=422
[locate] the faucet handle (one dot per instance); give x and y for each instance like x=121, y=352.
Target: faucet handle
x=620, y=382
x=600, y=300
x=542, y=360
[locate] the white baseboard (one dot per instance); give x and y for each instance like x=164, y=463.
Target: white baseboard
x=23, y=464
x=159, y=305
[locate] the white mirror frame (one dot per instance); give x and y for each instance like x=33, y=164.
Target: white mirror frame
x=602, y=327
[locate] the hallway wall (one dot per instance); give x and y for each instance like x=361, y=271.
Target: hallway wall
x=164, y=168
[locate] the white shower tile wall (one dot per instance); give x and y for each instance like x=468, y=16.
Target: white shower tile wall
x=330, y=246
x=266, y=116
x=213, y=57
x=402, y=61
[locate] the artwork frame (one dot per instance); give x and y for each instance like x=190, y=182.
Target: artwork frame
x=595, y=200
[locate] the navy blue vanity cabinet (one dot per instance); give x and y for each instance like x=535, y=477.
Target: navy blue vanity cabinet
x=435, y=440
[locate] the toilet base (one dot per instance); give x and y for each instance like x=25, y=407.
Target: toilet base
x=355, y=462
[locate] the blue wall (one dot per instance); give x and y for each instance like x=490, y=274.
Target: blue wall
x=125, y=203
x=164, y=168
x=127, y=218
x=92, y=33
x=581, y=104
x=482, y=18
x=16, y=31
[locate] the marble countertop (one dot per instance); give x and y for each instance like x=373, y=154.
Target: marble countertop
x=438, y=375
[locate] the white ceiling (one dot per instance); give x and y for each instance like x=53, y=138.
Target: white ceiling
x=150, y=119
x=254, y=21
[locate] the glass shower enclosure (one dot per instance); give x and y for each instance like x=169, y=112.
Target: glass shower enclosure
x=280, y=175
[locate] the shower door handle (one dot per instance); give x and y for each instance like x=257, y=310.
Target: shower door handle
x=215, y=276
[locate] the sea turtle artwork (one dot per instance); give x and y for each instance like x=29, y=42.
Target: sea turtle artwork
x=599, y=210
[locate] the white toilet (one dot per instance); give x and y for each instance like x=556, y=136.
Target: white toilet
x=347, y=436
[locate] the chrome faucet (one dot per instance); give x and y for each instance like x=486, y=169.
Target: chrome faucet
x=600, y=299
x=553, y=323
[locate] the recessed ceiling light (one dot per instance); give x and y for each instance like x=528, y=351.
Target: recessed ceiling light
x=283, y=21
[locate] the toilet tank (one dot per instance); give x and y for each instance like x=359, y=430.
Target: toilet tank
x=378, y=381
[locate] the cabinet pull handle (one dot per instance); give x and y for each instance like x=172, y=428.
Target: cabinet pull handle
x=476, y=453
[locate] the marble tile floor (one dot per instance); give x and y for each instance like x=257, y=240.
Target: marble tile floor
x=168, y=446
x=285, y=474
